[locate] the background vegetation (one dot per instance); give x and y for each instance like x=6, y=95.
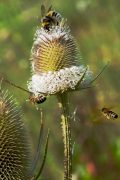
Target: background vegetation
x=96, y=27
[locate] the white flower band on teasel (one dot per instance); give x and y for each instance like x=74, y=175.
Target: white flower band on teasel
x=60, y=81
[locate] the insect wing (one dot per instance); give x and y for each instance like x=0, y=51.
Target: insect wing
x=43, y=10
x=45, y=7
x=50, y=8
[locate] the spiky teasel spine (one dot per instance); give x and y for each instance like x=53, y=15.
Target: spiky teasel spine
x=14, y=146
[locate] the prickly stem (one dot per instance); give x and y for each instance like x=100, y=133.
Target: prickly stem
x=66, y=132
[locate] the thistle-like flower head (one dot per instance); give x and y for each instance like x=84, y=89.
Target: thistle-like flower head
x=55, y=62
x=14, y=146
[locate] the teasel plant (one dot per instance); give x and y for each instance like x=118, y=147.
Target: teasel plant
x=57, y=70
x=15, y=152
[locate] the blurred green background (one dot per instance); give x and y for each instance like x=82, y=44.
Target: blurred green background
x=96, y=26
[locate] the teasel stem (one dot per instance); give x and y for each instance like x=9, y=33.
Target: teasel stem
x=66, y=132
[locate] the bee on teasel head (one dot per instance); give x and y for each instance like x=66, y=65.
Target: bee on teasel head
x=55, y=58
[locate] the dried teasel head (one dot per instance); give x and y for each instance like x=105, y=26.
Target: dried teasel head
x=14, y=146
x=55, y=62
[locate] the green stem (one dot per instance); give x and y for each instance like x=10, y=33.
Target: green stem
x=66, y=132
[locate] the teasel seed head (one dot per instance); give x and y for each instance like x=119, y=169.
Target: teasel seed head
x=55, y=62
x=14, y=146
x=53, y=50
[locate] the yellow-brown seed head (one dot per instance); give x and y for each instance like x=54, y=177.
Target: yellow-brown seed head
x=53, y=50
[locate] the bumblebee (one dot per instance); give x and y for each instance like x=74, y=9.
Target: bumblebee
x=51, y=18
x=109, y=114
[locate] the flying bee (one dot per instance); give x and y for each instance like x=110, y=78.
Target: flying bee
x=33, y=98
x=109, y=114
x=51, y=18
